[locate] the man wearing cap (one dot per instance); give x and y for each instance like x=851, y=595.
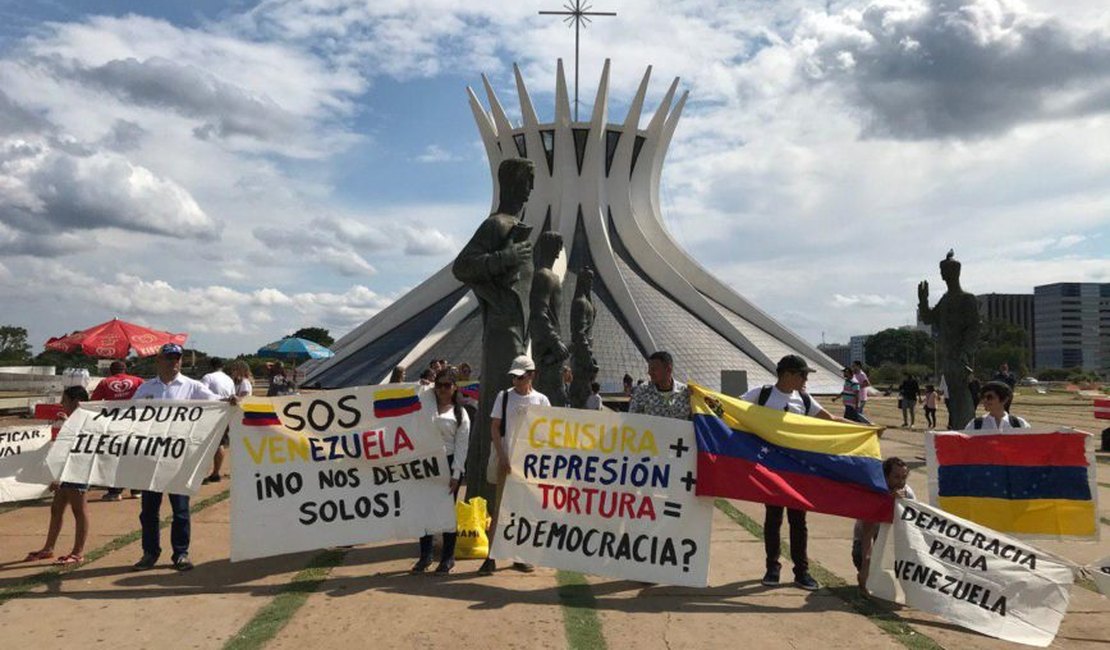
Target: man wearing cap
x=508, y=409
x=169, y=384
x=788, y=394
x=662, y=396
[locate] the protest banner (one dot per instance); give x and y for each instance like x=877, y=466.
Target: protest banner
x=605, y=493
x=337, y=467
x=22, y=451
x=969, y=575
x=1030, y=483
x=161, y=446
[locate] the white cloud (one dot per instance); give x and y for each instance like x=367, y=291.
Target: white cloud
x=866, y=300
x=434, y=153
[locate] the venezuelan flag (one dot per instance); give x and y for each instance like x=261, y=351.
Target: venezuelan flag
x=782, y=459
x=394, y=402
x=469, y=390
x=259, y=414
x=1032, y=484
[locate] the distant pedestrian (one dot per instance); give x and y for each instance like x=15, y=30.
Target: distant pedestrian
x=118, y=385
x=427, y=377
x=67, y=495
x=279, y=381
x=849, y=396
x=398, y=375
x=627, y=385
x=908, y=395
x=217, y=380
x=1005, y=375
x=931, y=396
x=593, y=402
x=864, y=383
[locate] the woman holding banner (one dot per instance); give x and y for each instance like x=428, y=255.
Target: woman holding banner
x=453, y=425
x=67, y=495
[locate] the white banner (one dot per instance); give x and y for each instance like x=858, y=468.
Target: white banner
x=969, y=575
x=605, y=493
x=337, y=467
x=160, y=446
x=22, y=452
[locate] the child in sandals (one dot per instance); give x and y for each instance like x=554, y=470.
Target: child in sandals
x=71, y=495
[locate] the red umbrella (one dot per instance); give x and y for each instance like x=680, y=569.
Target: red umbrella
x=114, y=338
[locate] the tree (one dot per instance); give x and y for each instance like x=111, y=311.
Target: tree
x=13, y=345
x=899, y=346
x=316, y=335
x=1002, y=342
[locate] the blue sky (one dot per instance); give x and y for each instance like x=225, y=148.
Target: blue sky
x=238, y=170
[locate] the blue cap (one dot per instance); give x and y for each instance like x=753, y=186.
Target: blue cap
x=171, y=349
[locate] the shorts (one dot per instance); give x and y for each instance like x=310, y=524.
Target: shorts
x=80, y=487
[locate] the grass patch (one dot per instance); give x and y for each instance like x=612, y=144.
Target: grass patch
x=583, y=628
x=9, y=507
x=273, y=616
x=55, y=574
x=878, y=613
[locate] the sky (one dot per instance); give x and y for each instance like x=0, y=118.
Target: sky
x=238, y=170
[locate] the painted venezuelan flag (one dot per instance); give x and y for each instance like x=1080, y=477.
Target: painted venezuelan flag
x=758, y=454
x=1027, y=484
x=394, y=402
x=259, y=414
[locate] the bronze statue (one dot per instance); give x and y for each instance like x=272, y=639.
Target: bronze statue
x=956, y=319
x=583, y=363
x=496, y=264
x=546, y=300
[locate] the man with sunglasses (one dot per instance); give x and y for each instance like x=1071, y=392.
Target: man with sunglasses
x=995, y=397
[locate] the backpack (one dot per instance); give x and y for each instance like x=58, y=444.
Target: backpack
x=765, y=394
x=1014, y=422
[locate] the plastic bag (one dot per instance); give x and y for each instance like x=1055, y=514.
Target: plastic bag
x=473, y=543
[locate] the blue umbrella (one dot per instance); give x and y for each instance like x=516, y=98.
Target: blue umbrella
x=295, y=348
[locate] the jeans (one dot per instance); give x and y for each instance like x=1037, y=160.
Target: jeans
x=799, y=538
x=850, y=413
x=909, y=411
x=179, y=529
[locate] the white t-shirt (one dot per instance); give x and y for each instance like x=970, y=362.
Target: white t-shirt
x=517, y=404
x=780, y=401
x=244, y=388
x=593, y=402
x=181, y=387
x=990, y=425
x=456, y=438
x=219, y=383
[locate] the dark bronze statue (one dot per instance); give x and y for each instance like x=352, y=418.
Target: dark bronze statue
x=583, y=363
x=496, y=264
x=546, y=300
x=956, y=319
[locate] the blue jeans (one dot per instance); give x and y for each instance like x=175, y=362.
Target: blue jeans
x=179, y=529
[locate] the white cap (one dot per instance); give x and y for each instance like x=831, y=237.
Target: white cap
x=521, y=365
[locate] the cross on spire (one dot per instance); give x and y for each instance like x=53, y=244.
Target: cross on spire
x=577, y=14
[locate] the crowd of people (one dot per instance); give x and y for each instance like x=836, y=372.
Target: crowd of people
x=662, y=395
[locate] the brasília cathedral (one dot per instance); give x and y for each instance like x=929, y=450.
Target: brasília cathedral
x=597, y=184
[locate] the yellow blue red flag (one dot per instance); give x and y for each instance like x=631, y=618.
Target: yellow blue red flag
x=754, y=453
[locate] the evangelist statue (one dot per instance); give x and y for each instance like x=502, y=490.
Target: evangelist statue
x=496, y=264
x=546, y=300
x=956, y=321
x=583, y=363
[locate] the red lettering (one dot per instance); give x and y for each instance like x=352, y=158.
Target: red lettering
x=372, y=439
x=401, y=442
x=545, y=488
x=647, y=509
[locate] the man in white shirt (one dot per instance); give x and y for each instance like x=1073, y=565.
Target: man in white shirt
x=995, y=396
x=218, y=381
x=508, y=408
x=170, y=384
x=860, y=378
x=788, y=394
x=594, y=402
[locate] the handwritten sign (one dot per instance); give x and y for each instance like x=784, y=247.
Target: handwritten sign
x=22, y=452
x=969, y=575
x=605, y=493
x=161, y=446
x=337, y=467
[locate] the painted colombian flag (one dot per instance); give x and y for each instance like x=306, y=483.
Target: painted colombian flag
x=259, y=414
x=1032, y=484
x=469, y=390
x=394, y=402
x=758, y=454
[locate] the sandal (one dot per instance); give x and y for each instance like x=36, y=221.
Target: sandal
x=35, y=556
x=71, y=559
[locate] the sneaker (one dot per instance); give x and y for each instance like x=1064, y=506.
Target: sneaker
x=487, y=568
x=112, y=496
x=806, y=581
x=445, y=567
x=421, y=565
x=214, y=478
x=147, y=562
x=523, y=567
x=771, y=578
x=182, y=562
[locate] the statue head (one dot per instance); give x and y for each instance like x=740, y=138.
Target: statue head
x=548, y=247
x=585, y=282
x=950, y=269
x=515, y=177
